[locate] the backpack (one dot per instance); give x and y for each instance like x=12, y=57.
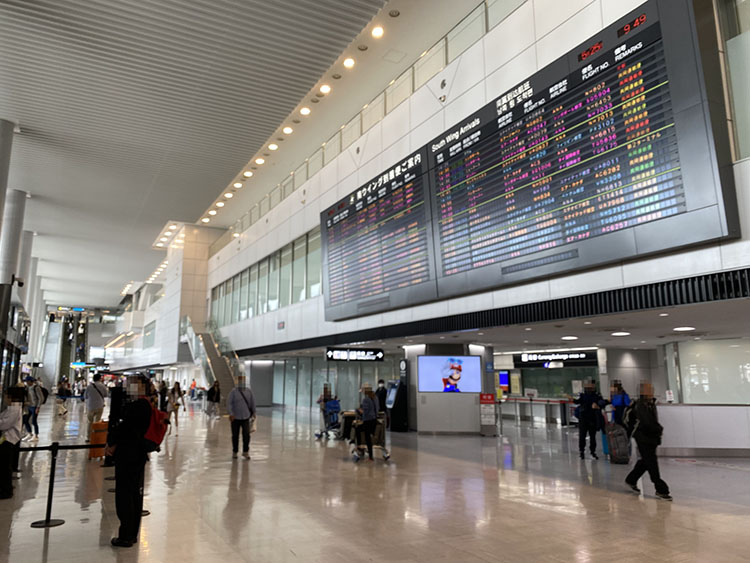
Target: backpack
x=45, y=393
x=157, y=428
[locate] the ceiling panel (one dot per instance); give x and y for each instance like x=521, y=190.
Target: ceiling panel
x=134, y=112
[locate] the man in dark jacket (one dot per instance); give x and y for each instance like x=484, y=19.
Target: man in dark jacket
x=589, y=417
x=642, y=422
x=125, y=443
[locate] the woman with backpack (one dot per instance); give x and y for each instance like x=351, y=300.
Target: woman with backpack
x=175, y=397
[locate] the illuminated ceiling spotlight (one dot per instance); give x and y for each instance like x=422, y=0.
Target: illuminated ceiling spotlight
x=172, y=227
x=212, y=212
x=219, y=204
x=229, y=195
x=273, y=147
x=287, y=131
x=237, y=185
x=236, y=235
x=247, y=174
x=205, y=220
x=164, y=239
x=325, y=89
x=349, y=63
x=259, y=161
x=159, y=244
x=305, y=111
x=377, y=32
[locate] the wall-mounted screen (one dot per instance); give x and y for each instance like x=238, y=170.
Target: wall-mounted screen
x=606, y=154
x=449, y=374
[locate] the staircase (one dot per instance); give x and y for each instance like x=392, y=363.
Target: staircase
x=215, y=355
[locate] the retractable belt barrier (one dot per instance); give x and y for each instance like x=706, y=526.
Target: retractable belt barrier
x=54, y=447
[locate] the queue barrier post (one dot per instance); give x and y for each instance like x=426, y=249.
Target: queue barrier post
x=48, y=521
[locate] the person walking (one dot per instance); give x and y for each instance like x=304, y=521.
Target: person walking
x=95, y=394
x=125, y=443
x=193, y=385
x=241, y=407
x=212, y=400
x=163, y=400
x=34, y=402
x=175, y=398
x=368, y=409
x=589, y=417
x=642, y=421
x=10, y=436
x=620, y=400
x=63, y=392
x=382, y=394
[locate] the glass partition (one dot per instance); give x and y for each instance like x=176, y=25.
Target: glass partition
x=290, y=383
x=304, y=382
x=313, y=264
x=235, y=311
x=252, y=294
x=285, y=276
x=244, y=282
x=298, y=270
x=273, y=281
x=319, y=377
x=278, y=383
x=715, y=372
x=262, y=306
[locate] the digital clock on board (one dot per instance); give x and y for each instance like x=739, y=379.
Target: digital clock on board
x=630, y=26
x=595, y=48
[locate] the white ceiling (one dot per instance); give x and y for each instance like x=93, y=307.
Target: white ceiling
x=136, y=112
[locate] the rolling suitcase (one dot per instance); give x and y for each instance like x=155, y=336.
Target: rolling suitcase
x=618, y=443
x=98, y=437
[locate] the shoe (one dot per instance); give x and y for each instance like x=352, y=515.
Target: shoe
x=664, y=496
x=583, y=456
x=35, y=438
x=118, y=542
x=634, y=488
x=594, y=455
x=234, y=455
x=246, y=455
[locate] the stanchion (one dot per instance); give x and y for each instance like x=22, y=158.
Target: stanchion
x=48, y=521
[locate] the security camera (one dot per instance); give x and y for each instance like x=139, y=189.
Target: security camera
x=18, y=281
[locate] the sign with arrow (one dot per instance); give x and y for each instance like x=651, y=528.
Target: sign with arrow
x=354, y=355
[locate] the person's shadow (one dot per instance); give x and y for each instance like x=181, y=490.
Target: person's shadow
x=239, y=506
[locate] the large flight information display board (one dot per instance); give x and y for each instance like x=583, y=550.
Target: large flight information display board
x=604, y=155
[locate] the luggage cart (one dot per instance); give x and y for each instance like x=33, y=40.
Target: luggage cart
x=331, y=419
x=359, y=450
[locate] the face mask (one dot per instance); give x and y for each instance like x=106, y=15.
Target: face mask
x=381, y=385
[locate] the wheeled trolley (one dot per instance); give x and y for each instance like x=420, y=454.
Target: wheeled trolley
x=331, y=423
x=359, y=449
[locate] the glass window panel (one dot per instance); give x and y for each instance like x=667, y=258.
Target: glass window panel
x=332, y=148
x=278, y=382
x=215, y=304
x=466, y=33
x=347, y=385
x=220, y=312
x=275, y=196
x=315, y=162
x=319, y=376
x=714, y=372
x=264, y=206
x=228, y=301
x=244, y=282
x=429, y=65
x=236, y=299
x=373, y=113
x=262, y=306
x=285, y=277
x=252, y=295
x=498, y=10
x=300, y=175
x=273, y=281
x=399, y=90
x=351, y=131
x=287, y=187
x=313, y=263
x=149, y=334
x=298, y=270
x=304, y=382
x=254, y=214
x=290, y=383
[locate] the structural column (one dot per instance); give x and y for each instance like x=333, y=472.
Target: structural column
x=6, y=143
x=10, y=234
x=24, y=268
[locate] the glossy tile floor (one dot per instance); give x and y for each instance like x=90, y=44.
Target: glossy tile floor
x=524, y=497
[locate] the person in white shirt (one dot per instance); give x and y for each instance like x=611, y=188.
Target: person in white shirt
x=10, y=426
x=95, y=394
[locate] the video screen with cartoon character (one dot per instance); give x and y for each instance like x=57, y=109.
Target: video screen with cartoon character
x=449, y=374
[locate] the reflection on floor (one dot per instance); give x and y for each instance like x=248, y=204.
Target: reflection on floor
x=524, y=497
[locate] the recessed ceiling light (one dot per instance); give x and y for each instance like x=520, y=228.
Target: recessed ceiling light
x=229, y=195
x=377, y=32
x=621, y=333
x=527, y=328
x=212, y=212
x=394, y=13
x=237, y=185
x=273, y=146
x=663, y=314
x=236, y=235
x=325, y=89
x=349, y=63
x=259, y=161
x=219, y=204
x=172, y=227
x=164, y=239
x=569, y=338
x=587, y=322
x=160, y=244
x=205, y=220
x=287, y=130
x=683, y=328
x=305, y=111
x=643, y=341
x=362, y=47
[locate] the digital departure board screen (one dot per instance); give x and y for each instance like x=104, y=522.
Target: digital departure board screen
x=604, y=155
x=378, y=243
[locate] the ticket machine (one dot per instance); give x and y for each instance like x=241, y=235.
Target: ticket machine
x=397, y=406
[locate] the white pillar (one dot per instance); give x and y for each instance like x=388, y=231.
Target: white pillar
x=24, y=266
x=6, y=143
x=10, y=234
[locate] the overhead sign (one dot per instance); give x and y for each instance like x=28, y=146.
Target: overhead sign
x=354, y=355
x=555, y=359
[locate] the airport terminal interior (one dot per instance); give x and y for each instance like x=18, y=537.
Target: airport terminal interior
x=375, y=280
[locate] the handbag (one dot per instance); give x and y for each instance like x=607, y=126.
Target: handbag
x=253, y=426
